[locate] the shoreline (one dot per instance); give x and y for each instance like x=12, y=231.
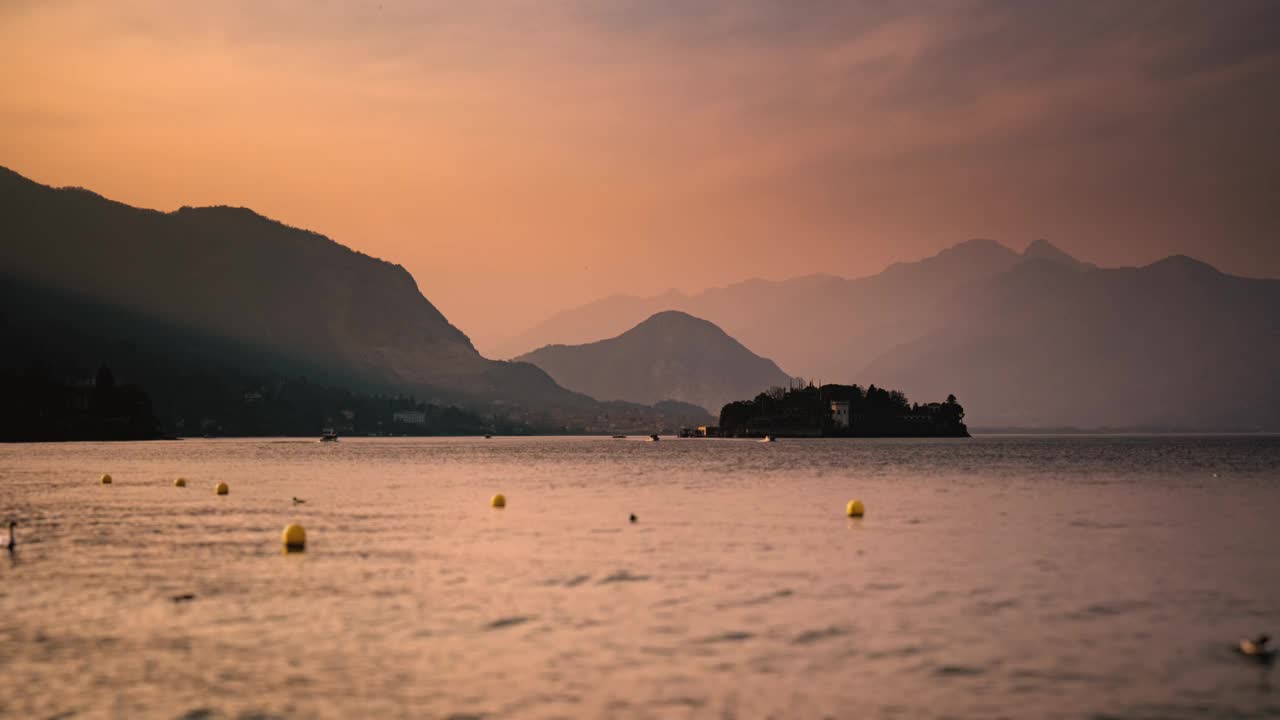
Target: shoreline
x=976, y=434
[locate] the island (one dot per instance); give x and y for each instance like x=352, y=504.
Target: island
x=837, y=411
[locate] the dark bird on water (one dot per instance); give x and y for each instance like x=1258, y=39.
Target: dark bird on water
x=184, y=597
x=298, y=501
x=633, y=517
x=13, y=542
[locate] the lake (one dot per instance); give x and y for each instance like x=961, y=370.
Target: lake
x=1001, y=576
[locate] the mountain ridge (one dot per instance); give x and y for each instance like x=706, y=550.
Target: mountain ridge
x=669, y=355
x=816, y=299
x=903, y=327
x=253, y=291
x=1044, y=345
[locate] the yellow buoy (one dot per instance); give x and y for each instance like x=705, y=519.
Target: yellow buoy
x=180, y=482
x=855, y=508
x=294, y=538
x=498, y=501
x=221, y=489
x=106, y=479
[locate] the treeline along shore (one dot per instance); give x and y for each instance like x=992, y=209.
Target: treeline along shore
x=839, y=411
x=46, y=407
x=54, y=404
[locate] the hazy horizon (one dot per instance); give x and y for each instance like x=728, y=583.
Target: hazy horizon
x=522, y=158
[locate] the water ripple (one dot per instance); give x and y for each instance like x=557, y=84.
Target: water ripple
x=622, y=576
x=507, y=622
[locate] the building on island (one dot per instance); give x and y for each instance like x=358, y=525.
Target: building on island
x=840, y=413
x=702, y=431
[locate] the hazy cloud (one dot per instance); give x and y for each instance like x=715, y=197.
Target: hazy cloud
x=570, y=134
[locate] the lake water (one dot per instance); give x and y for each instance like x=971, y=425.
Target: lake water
x=992, y=577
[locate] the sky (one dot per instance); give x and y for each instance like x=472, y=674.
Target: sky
x=523, y=157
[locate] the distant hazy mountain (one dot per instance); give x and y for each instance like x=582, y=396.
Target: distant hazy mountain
x=225, y=287
x=820, y=326
x=671, y=355
x=1031, y=339
x=1174, y=345
x=1044, y=250
x=597, y=320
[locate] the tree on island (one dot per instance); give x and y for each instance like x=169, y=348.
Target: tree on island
x=809, y=411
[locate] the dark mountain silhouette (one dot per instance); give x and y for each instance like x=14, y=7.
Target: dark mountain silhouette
x=233, y=274
x=224, y=289
x=1173, y=345
x=671, y=355
x=196, y=384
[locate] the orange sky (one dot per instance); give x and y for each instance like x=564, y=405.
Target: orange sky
x=521, y=157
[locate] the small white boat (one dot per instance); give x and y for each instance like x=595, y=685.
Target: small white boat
x=768, y=438
x=653, y=438
x=329, y=435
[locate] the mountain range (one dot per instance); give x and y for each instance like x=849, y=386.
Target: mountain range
x=1037, y=339
x=821, y=325
x=1032, y=339
x=670, y=355
x=1175, y=345
x=88, y=280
